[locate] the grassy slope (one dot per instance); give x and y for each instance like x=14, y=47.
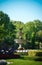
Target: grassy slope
x=24, y=62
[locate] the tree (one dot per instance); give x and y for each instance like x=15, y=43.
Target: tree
x=33, y=40
x=7, y=30
x=18, y=25
x=30, y=30
x=4, y=20
x=39, y=37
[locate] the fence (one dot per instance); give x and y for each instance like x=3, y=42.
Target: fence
x=21, y=50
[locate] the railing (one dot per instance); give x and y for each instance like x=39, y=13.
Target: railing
x=21, y=50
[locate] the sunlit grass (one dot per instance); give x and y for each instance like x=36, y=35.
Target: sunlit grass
x=23, y=62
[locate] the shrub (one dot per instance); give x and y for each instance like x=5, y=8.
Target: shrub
x=38, y=59
x=34, y=52
x=39, y=54
x=8, y=56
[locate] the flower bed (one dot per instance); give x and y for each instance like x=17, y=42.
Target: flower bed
x=7, y=56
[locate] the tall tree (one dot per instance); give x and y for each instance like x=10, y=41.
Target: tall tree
x=7, y=30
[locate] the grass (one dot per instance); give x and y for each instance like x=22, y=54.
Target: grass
x=23, y=62
x=26, y=60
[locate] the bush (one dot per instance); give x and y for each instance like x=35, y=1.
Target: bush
x=34, y=52
x=31, y=52
x=39, y=54
x=38, y=59
x=9, y=56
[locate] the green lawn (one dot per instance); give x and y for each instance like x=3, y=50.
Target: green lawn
x=23, y=62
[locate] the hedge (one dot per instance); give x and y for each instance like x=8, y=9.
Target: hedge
x=34, y=52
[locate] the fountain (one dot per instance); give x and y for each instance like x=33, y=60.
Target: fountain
x=20, y=39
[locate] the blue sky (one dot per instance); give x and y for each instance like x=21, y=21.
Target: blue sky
x=22, y=10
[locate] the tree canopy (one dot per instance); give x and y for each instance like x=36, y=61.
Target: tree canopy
x=32, y=30
x=7, y=30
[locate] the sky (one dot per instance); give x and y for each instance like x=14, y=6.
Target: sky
x=22, y=10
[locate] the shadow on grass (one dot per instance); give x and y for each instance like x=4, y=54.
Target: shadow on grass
x=31, y=58
x=12, y=56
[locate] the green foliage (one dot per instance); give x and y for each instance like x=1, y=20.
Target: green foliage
x=4, y=18
x=32, y=30
x=33, y=40
x=7, y=30
x=34, y=52
x=39, y=36
x=18, y=25
x=39, y=54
